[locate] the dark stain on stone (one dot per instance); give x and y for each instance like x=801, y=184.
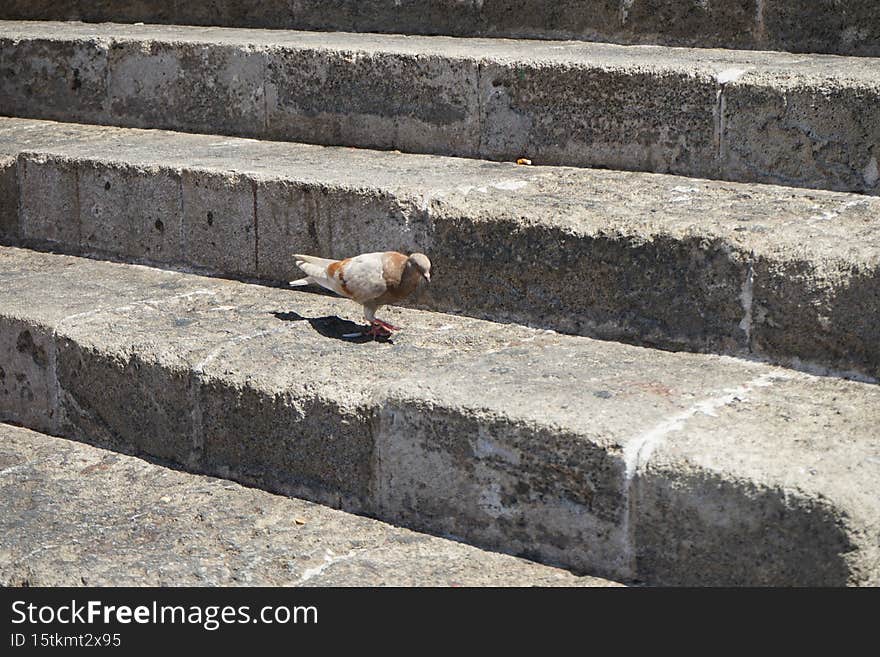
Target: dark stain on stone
x=107, y=185
x=77, y=81
x=210, y=218
x=25, y=345
x=603, y=394
x=159, y=225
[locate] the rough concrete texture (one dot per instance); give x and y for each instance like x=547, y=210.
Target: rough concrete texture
x=733, y=442
x=77, y=515
x=844, y=27
x=9, y=196
x=511, y=438
x=734, y=115
x=780, y=273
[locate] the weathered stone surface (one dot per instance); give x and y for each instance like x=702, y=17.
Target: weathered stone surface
x=716, y=114
x=727, y=24
x=516, y=439
x=830, y=26
x=787, y=442
x=219, y=227
x=27, y=384
x=9, y=196
x=115, y=219
x=594, y=113
x=844, y=27
x=68, y=78
x=78, y=515
x=52, y=217
x=416, y=102
x=176, y=84
x=798, y=121
x=785, y=274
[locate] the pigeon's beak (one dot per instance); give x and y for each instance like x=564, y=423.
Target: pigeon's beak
x=427, y=276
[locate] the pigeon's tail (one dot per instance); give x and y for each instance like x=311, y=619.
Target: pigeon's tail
x=314, y=267
x=316, y=272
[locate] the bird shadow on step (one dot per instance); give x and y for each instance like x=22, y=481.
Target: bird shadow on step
x=333, y=327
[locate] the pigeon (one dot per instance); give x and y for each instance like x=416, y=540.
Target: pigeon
x=371, y=279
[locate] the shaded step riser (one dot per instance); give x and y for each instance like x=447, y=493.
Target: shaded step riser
x=723, y=287
x=845, y=27
x=752, y=117
x=199, y=372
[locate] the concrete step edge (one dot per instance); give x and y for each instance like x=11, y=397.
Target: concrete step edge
x=851, y=28
x=732, y=115
x=774, y=273
x=625, y=462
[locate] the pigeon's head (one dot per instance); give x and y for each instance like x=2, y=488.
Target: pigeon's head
x=422, y=265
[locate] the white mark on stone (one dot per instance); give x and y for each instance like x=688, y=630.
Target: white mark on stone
x=200, y=367
x=504, y=185
x=488, y=448
x=720, y=123
x=510, y=185
x=638, y=451
x=760, y=28
x=12, y=470
x=746, y=297
x=680, y=199
x=827, y=215
x=859, y=203
x=817, y=369
x=871, y=173
x=730, y=75
x=681, y=189
x=329, y=560
x=25, y=558
x=625, y=6
x=723, y=78
x=133, y=304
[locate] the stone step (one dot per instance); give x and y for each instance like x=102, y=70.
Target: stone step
x=79, y=515
x=844, y=27
x=800, y=120
x=781, y=274
x=614, y=460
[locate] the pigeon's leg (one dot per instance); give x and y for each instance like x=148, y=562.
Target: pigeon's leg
x=376, y=329
x=377, y=326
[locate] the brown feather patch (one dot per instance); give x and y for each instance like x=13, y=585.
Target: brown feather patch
x=335, y=270
x=392, y=269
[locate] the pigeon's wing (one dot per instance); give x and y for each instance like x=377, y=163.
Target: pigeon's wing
x=362, y=278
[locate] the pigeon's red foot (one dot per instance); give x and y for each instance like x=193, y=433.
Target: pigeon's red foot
x=378, y=331
x=385, y=325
